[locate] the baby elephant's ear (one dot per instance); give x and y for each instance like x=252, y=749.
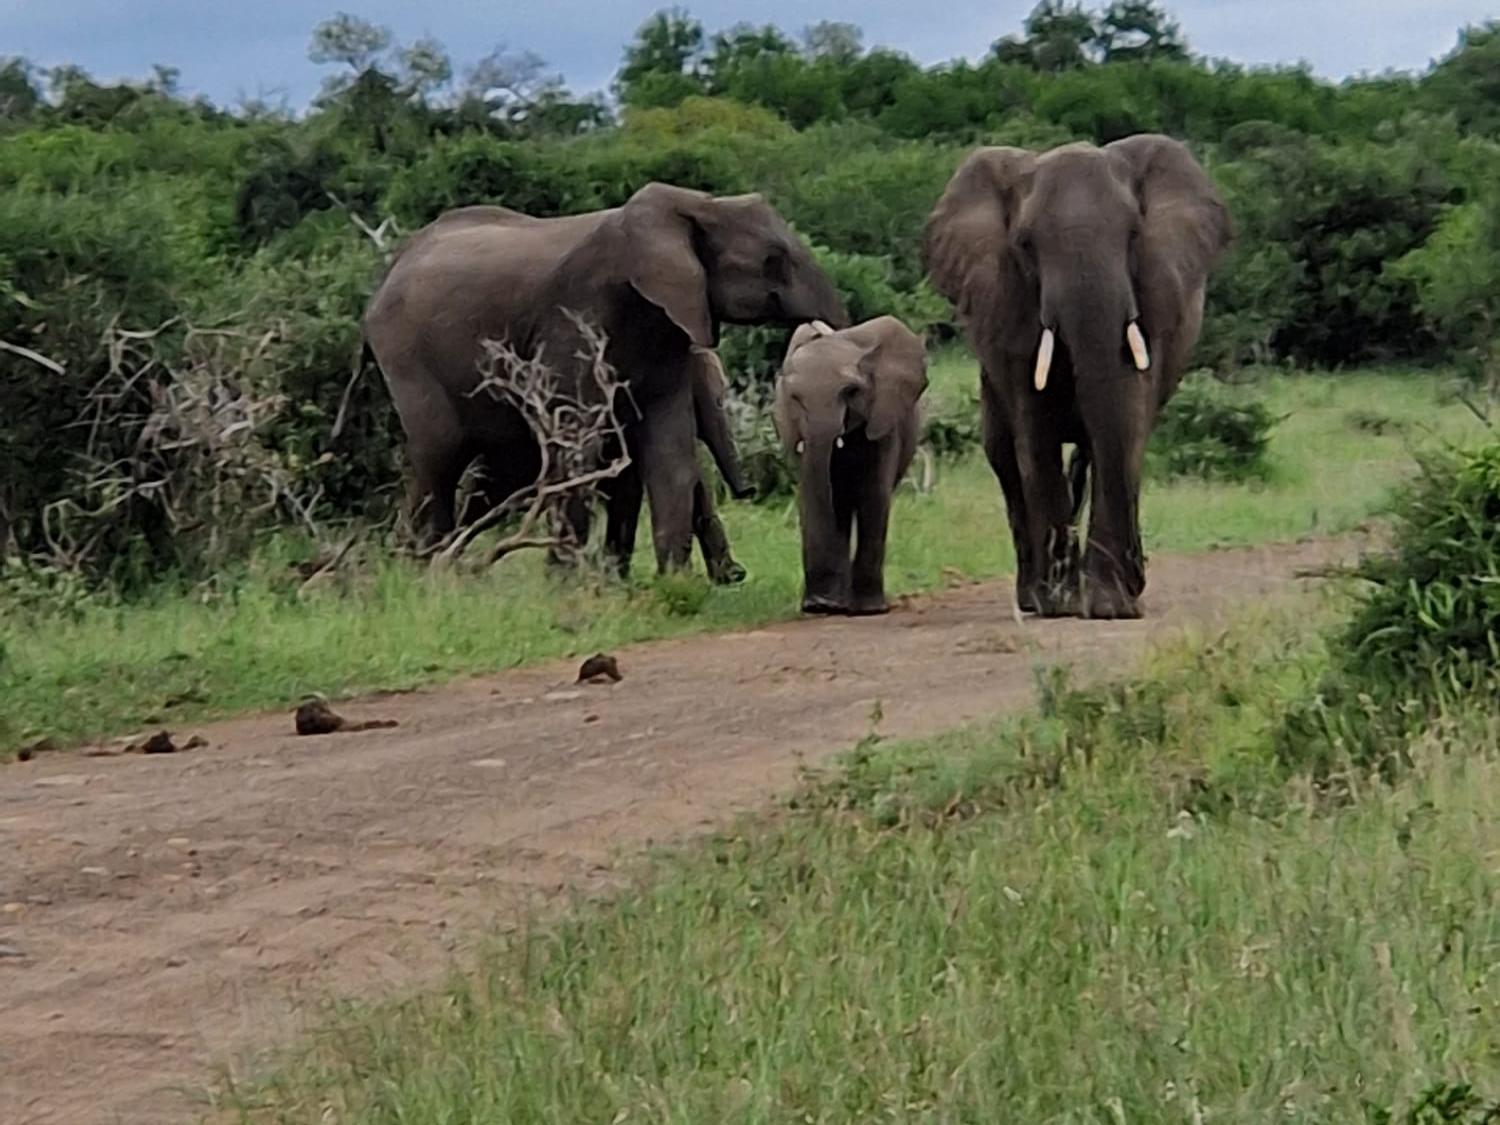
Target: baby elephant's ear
x=806, y=333
x=896, y=369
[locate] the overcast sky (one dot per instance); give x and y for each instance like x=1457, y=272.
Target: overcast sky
x=229, y=48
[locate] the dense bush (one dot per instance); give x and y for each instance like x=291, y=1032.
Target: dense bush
x=1207, y=431
x=1367, y=215
x=1426, y=628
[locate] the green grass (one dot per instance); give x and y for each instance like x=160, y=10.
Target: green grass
x=252, y=642
x=1120, y=909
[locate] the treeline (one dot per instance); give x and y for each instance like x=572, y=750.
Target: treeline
x=180, y=283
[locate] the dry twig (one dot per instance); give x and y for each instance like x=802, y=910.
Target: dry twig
x=579, y=435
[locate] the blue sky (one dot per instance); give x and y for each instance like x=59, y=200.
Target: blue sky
x=226, y=49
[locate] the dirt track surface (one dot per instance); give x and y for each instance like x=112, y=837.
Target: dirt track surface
x=169, y=916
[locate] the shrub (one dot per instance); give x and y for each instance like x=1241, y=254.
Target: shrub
x=1425, y=632
x=1205, y=431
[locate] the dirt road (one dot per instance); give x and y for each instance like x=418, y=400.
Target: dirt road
x=168, y=916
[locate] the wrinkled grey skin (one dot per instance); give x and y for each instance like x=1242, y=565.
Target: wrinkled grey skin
x=658, y=276
x=846, y=409
x=714, y=431
x=1081, y=240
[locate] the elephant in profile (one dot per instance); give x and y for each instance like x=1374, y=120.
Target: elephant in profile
x=846, y=409
x=658, y=276
x=1079, y=277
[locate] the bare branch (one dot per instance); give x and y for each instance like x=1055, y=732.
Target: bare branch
x=578, y=432
x=36, y=357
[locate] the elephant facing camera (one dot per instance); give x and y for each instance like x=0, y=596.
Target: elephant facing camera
x=846, y=410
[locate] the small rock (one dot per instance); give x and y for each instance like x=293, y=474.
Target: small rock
x=32, y=749
x=562, y=696
x=178, y=842
x=10, y=953
x=159, y=743
x=100, y=871
x=38, y=900
x=591, y=718
x=599, y=668
x=316, y=717
x=197, y=742
x=176, y=962
x=12, y=908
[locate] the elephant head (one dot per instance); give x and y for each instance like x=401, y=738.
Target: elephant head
x=706, y=260
x=1100, y=253
x=709, y=391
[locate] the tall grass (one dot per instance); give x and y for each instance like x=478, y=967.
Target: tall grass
x=1121, y=909
x=252, y=641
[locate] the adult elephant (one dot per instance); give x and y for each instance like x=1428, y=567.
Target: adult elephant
x=658, y=276
x=1079, y=277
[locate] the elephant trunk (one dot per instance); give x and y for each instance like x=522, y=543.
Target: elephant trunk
x=812, y=296
x=1097, y=323
x=825, y=552
x=716, y=435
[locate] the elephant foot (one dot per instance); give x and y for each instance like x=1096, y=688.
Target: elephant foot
x=1044, y=602
x=869, y=605
x=1104, y=601
x=729, y=573
x=825, y=606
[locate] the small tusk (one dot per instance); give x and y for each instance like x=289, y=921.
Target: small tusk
x=801, y=445
x=839, y=441
x=1137, y=344
x=1044, y=358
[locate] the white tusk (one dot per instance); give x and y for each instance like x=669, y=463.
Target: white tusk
x=1137, y=344
x=839, y=441
x=1044, y=358
x=801, y=445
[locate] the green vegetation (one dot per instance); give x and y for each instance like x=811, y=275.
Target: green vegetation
x=1127, y=906
x=76, y=663
x=180, y=283
x=1426, y=630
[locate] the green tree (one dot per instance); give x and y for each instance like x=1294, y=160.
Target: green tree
x=19, y=96
x=351, y=40
x=1139, y=31
x=837, y=42
x=1060, y=35
x=1467, y=81
x=660, y=65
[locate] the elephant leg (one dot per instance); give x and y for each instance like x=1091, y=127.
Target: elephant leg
x=872, y=521
x=669, y=467
x=1000, y=449
x=1052, y=537
x=1118, y=424
x=622, y=516
x=712, y=540
x=437, y=468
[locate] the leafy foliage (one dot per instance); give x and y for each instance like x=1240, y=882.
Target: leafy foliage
x=1426, y=629
x=1367, y=215
x=1206, y=432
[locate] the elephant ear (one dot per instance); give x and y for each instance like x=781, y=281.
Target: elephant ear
x=662, y=229
x=895, y=369
x=1185, y=226
x=966, y=245
x=806, y=333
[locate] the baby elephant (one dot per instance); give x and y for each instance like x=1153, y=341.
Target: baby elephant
x=846, y=408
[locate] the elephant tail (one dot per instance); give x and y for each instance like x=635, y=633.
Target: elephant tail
x=364, y=359
x=1078, y=478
